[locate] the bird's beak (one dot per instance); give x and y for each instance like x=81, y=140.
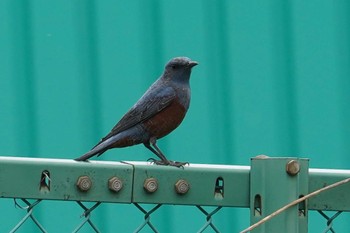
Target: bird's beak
x=192, y=63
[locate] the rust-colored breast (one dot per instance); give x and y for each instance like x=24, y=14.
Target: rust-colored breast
x=165, y=121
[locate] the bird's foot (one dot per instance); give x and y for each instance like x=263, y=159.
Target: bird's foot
x=167, y=162
x=178, y=164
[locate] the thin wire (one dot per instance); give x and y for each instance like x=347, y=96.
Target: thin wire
x=147, y=218
x=209, y=219
x=87, y=215
x=29, y=208
x=329, y=220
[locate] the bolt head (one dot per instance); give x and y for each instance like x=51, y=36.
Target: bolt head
x=115, y=184
x=182, y=186
x=293, y=167
x=150, y=185
x=84, y=183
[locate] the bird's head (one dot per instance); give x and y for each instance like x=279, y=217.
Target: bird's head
x=179, y=68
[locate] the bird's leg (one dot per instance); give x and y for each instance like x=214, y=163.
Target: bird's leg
x=164, y=160
x=159, y=153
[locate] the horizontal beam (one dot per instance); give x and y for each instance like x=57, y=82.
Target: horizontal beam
x=56, y=179
x=333, y=199
x=211, y=185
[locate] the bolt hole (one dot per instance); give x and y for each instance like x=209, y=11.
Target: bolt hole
x=302, y=207
x=219, y=188
x=257, y=205
x=45, y=181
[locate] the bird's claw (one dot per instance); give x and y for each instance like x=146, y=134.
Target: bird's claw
x=167, y=162
x=152, y=160
x=178, y=164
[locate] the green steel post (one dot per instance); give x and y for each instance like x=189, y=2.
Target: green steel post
x=275, y=182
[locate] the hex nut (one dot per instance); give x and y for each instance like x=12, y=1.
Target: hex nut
x=182, y=186
x=150, y=185
x=84, y=183
x=115, y=184
x=293, y=167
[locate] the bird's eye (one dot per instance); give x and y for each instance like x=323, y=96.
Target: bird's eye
x=174, y=66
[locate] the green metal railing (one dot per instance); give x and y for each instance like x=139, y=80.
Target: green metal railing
x=265, y=186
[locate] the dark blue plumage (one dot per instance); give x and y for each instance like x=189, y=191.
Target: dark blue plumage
x=158, y=112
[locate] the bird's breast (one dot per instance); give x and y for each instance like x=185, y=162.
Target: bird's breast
x=166, y=120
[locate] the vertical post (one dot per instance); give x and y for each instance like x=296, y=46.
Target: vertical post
x=275, y=182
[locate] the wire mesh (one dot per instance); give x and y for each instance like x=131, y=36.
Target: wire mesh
x=209, y=220
x=29, y=207
x=330, y=220
x=87, y=215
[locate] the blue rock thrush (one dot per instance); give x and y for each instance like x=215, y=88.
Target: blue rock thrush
x=158, y=112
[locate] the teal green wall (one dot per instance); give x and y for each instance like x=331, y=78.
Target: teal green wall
x=274, y=78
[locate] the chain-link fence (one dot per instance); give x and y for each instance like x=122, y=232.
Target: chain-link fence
x=37, y=190
x=145, y=223
x=144, y=217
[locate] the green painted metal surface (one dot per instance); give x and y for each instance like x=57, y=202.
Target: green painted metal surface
x=334, y=199
x=202, y=180
x=264, y=187
x=22, y=178
x=273, y=79
x=271, y=188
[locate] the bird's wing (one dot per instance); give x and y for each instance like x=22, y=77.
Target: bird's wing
x=146, y=107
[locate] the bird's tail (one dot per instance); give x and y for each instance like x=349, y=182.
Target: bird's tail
x=89, y=154
x=99, y=149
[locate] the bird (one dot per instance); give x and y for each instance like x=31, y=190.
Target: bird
x=159, y=111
